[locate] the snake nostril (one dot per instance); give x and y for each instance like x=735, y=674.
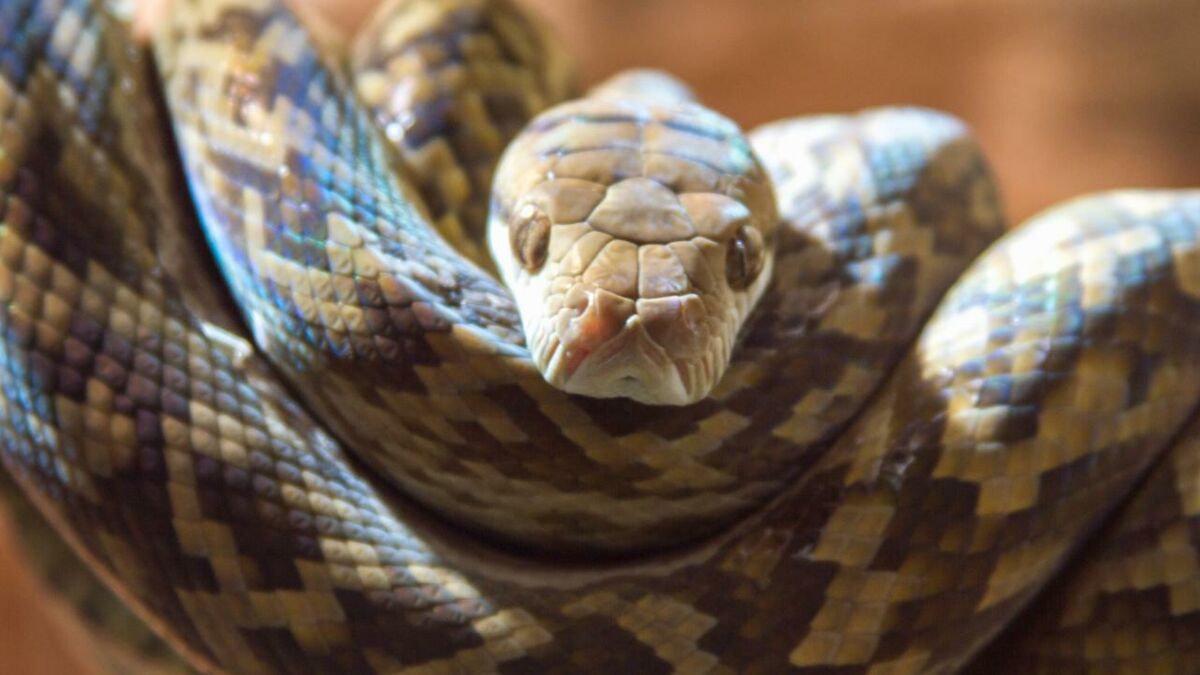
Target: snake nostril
x=600, y=317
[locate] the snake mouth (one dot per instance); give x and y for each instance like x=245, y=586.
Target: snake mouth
x=654, y=351
x=631, y=365
x=612, y=347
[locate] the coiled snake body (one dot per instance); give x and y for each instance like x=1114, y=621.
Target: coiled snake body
x=905, y=449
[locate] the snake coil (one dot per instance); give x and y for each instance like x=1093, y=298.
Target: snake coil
x=916, y=438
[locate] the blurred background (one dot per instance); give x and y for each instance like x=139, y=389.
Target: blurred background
x=1066, y=97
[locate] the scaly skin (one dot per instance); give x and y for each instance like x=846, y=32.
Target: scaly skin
x=413, y=356
x=148, y=429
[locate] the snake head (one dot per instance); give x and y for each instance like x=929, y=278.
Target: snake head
x=636, y=236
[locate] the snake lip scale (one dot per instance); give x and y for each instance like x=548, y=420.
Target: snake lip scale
x=937, y=445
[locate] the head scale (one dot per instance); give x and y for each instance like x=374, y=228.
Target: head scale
x=636, y=235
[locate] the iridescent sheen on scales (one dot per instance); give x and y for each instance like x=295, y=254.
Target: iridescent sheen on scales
x=905, y=450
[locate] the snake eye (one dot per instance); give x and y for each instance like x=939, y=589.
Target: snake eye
x=744, y=257
x=529, y=234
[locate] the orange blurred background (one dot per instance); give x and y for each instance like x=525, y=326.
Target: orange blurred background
x=1066, y=97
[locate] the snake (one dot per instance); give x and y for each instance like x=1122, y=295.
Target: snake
x=788, y=401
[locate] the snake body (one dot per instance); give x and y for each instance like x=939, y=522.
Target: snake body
x=869, y=488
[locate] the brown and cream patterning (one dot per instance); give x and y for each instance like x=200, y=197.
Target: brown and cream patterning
x=929, y=438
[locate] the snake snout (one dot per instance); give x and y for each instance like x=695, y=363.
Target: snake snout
x=609, y=345
x=630, y=364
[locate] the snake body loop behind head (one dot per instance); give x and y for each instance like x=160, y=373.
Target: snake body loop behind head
x=635, y=228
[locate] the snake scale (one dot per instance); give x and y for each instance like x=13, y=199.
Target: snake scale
x=932, y=436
